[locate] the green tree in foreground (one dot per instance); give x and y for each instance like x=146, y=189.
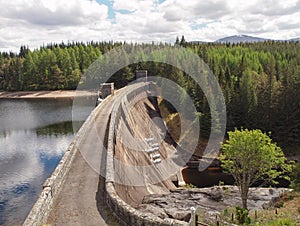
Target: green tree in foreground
x=250, y=156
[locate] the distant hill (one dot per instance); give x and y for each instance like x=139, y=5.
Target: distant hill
x=295, y=40
x=244, y=38
x=240, y=38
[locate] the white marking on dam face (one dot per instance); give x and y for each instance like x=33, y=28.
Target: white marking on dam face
x=156, y=161
x=151, y=150
x=155, y=145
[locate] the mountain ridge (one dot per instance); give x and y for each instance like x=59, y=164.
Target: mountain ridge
x=240, y=38
x=234, y=39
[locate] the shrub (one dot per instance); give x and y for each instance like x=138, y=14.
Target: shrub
x=242, y=215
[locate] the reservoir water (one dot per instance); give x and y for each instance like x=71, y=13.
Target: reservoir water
x=34, y=134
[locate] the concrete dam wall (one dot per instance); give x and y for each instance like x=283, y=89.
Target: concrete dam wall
x=131, y=171
x=138, y=162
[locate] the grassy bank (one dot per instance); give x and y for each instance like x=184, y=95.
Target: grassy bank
x=286, y=212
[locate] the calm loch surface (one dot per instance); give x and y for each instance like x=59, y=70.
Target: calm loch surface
x=34, y=134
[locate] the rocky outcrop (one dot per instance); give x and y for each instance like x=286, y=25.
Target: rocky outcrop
x=180, y=202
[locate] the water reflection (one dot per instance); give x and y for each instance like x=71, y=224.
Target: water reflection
x=56, y=129
x=34, y=135
x=29, y=114
x=207, y=178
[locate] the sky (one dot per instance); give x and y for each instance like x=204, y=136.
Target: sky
x=36, y=22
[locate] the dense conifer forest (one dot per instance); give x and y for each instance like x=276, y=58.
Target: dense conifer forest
x=260, y=81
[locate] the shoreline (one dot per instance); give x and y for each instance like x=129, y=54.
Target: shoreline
x=46, y=94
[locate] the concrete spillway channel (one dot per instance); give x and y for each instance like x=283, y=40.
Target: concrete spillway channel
x=77, y=195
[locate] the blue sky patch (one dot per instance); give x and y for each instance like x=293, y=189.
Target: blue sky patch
x=109, y=4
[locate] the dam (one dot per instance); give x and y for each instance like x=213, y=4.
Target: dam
x=108, y=169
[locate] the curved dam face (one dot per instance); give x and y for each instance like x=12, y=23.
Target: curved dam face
x=142, y=158
x=142, y=147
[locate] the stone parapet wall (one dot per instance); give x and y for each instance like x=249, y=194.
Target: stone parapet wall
x=130, y=216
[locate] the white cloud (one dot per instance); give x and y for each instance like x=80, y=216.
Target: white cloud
x=34, y=22
x=54, y=12
x=125, y=5
x=276, y=8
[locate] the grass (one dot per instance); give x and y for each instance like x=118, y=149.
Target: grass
x=288, y=214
